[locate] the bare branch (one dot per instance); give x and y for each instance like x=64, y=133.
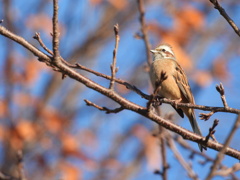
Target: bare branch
x=38, y=38
x=221, y=153
x=144, y=31
x=41, y=56
x=55, y=39
x=225, y=15
x=108, y=111
x=113, y=65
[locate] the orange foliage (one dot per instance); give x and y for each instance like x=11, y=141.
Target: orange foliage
x=95, y=2
x=26, y=130
x=3, y=108
x=220, y=70
x=2, y=132
x=52, y=120
x=32, y=70
x=189, y=17
x=185, y=21
x=69, y=171
x=202, y=78
x=69, y=144
x=119, y=4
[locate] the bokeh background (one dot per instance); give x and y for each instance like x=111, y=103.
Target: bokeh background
x=61, y=137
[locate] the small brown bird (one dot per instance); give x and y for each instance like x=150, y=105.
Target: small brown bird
x=176, y=86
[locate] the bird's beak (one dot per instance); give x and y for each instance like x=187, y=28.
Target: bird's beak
x=153, y=51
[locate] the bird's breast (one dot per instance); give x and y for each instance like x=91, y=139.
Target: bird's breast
x=169, y=88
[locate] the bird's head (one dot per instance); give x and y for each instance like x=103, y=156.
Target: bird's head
x=163, y=51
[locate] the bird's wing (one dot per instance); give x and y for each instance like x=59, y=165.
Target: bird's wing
x=182, y=83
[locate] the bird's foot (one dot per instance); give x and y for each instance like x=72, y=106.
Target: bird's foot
x=156, y=101
x=175, y=102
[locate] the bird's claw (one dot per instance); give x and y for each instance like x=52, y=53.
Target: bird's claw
x=175, y=102
x=156, y=101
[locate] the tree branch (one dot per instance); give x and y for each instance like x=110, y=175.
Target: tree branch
x=113, y=65
x=225, y=15
x=55, y=39
x=38, y=38
x=108, y=111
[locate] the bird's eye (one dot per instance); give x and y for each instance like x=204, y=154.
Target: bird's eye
x=163, y=50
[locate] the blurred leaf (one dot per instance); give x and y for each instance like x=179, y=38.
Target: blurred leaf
x=96, y=2
x=220, y=70
x=53, y=121
x=70, y=172
x=189, y=16
x=119, y=4
x=3, y=108
x=202, y=78
x=32, y=71
x=26, y=130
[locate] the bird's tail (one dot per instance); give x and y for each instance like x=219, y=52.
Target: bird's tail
x=196, y=128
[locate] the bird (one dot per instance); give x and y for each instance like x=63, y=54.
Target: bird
x=175, y=86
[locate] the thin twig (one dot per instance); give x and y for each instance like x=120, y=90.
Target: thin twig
x=38, y=38
x=144, y=31
x=108, y=111
x=154, y=100
x=221, y=153
x=221, y=91
x=212, y=130
x=55, y=38
x=113, y=65
x=225, y=15
x=206, y=116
